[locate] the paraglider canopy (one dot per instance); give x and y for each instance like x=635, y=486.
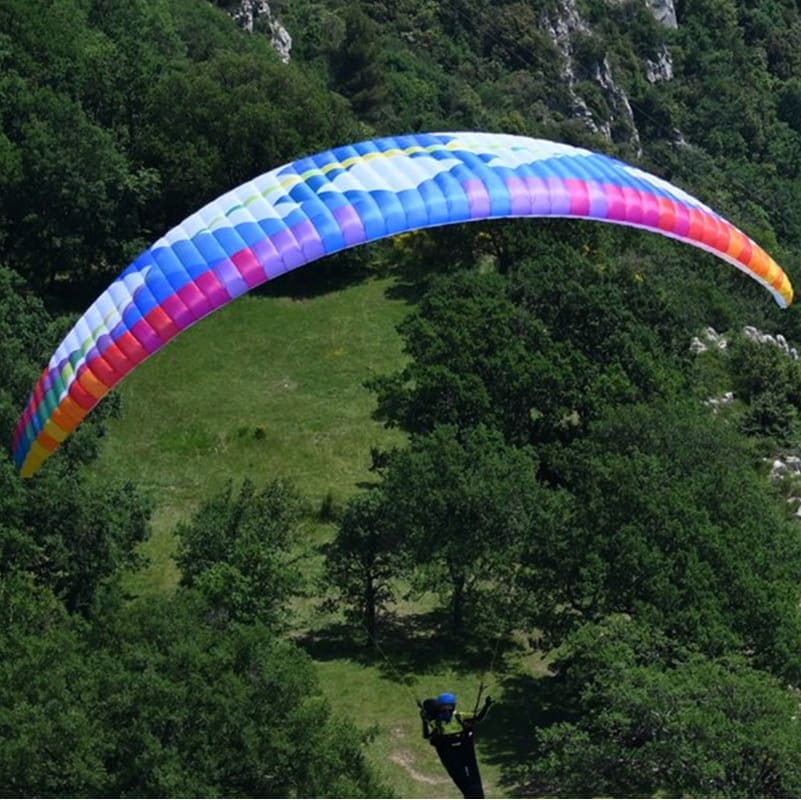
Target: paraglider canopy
x=337, y=199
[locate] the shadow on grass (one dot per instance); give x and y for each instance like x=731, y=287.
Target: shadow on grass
x=508, y=734
x=342, y=271
x=407, y=646
x=414, y=645
x=326, y=275
x=409, y=289
x=314, y=280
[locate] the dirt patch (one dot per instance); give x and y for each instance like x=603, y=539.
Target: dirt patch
x=406, y=760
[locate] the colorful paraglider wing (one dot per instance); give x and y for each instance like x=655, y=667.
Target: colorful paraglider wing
x=338, y=199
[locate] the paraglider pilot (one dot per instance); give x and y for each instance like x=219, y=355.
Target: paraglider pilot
x=452, y=733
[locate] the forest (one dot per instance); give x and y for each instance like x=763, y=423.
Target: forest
x=555, y=459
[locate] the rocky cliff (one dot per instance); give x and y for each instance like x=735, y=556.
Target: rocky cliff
x=257, y=16
x=612, y=118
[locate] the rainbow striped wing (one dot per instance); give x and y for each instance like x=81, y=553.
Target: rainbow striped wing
x=338, y=199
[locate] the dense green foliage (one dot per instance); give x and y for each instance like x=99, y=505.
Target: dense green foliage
x=658, y=721
x=564, y=479
x=70, y=534
x=118, y=119
x=673, y=526
x=470, y=509
x=153, y=700
x=236, y=552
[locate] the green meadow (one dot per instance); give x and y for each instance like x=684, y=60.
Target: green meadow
x=273, y=387
x=266, y=387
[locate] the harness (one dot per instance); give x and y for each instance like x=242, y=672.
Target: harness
x=457, y=728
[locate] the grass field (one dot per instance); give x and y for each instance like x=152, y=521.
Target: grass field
x=273, y=387
x=266, y=387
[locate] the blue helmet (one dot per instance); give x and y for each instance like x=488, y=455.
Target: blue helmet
x=446, y=699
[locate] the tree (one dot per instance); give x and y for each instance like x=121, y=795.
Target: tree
x=650, y=719
x=468, y=508
x=537, y=354
x=27, y=330
x=238, y=113
x=70, y=531
x=362, y=560
x=195, y=709
x=52, y=740
x=356, y=64
x=68, y=201
x=674, y=527
x=154, y=698
x=236, y=551
x=92, y=103
x=477, y=358
x=86, y=532
x=769, y=381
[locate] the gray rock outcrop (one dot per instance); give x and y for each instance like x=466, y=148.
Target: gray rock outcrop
x=250, y=13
